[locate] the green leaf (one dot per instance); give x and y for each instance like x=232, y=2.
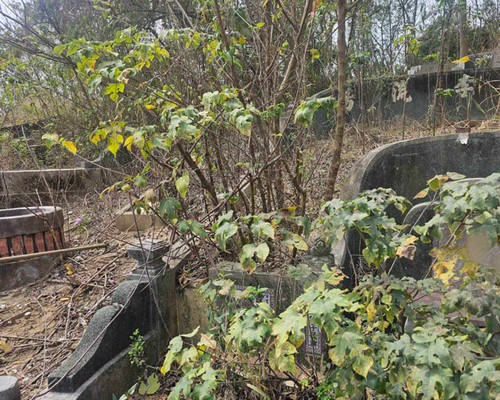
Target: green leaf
x=486, y=369
x=455, y=176
x=225, y=286
x=262, y=251
x=151, y=386
x=182, y=184
x=59, y=49
x=174, y=348
x=224, y=232
x=247, y=251
x=50, y=139
x=183, y=386
x=434, y=382
x=113, y=90
x=259, y=391
x=209, y=385
x=169, y=207
x=282, y=358
x=198, y=229
x=262, y=229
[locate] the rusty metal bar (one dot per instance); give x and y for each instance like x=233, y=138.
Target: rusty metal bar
x=4, y=260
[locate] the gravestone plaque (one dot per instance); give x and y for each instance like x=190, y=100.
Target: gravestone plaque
x=280, y=292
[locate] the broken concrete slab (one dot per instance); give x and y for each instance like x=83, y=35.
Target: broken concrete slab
x=20, y=273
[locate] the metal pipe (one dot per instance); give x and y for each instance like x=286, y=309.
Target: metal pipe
x=4, y=260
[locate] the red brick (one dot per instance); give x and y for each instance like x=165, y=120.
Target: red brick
x=40, y=242
x=4, y=248
x=49, y=241
x=17, y=245
x=29, y=244
x=59, y=239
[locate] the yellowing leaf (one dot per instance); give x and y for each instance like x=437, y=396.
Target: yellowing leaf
x=362, y=365
x=69, y=269
x=444, y=270
x=407, y=249
x=207, y=341
x=314, y=54
x=371, y=311
x=113, y=146
x=128, y=142
x=422, y=194
x=91, y=64
x=70, y=146
x=464, y=59
x=150, y=106
x=4, y=346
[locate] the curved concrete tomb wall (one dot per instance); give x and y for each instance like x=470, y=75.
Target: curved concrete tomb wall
x=26, y=231
x=406, y=166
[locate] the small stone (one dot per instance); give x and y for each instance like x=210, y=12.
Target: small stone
x=9, y=388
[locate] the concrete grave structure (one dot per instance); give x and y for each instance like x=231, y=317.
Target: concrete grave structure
x=405, y=167
x=281, y=291
x=151, y=301
x=20, y=188
x=100, y=367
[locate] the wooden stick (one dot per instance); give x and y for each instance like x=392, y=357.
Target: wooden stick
x=4, y=260
x=34, y=338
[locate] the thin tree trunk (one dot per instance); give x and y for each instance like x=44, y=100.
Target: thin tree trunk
x=462, y=11
x=341, y=110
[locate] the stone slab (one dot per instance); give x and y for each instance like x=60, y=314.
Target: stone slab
x=126, y=222
x=99, y=367
x=107, y=334
x=9, y=388
x=282, y=291
x=113, y=379
x=29, y=220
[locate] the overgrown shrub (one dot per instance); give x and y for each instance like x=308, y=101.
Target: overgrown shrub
x=388, y=338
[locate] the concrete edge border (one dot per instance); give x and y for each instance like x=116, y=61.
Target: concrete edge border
x=114, y=374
